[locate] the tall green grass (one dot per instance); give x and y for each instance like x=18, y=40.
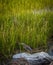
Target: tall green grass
x=32, y=29
x=20, y=22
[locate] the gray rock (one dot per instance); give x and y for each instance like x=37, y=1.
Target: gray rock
x=36, y=58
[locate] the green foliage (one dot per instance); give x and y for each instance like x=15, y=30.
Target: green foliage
x=23, y=21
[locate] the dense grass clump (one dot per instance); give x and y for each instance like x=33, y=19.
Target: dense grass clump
x=31, y=24
x=32, y=29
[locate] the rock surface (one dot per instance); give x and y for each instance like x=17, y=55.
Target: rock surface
x=40, y=58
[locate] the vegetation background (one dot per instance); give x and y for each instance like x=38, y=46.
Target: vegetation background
x=27, y=21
